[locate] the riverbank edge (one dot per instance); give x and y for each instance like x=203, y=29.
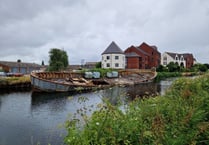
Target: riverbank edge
x=163, y=75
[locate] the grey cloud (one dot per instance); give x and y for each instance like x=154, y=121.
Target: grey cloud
x=86, y=27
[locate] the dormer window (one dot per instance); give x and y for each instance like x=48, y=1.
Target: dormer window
x=182, y=58
x=165, y=58
x=176, y=58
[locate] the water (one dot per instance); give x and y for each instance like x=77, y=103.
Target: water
x=28, y=118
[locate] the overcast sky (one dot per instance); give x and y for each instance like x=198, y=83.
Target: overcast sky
x=85, y=28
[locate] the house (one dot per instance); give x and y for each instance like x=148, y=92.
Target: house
x=154, y=55
x=142, y=57
x=113, y=57
x=19, y=67
x=90, y=65
x=136, y=58
x=185, y=60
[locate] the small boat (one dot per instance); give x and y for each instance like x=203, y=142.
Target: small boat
x=63, y=82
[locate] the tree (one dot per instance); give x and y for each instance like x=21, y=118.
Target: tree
x=203, y=68
x=161, y=68
x=58, y=59
x=98, y=64
x=173, y=67
x=207, y=65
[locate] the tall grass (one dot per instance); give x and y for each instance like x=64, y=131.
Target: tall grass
x=14, y=80
x=179, y=117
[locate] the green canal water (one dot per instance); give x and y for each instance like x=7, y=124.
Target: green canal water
x=28, y=118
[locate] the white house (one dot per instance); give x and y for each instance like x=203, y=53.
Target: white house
x=113, y=57
x=186, y=59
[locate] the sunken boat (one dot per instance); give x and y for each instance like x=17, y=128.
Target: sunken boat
x=64, y=82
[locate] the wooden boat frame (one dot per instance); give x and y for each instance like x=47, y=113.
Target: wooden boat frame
x=60, y=82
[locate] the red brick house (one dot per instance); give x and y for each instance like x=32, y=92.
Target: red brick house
x=142, y=57
x=189, y=59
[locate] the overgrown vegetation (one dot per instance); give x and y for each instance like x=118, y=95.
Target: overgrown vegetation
x=163, y=75
x=174, y=67
x=181, y=116
x=174, y=70
x=14, y=80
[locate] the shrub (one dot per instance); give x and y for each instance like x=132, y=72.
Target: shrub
x=179, y=117
x=163, y=75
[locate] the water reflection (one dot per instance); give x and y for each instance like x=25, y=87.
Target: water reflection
x=143, y=90
x=57, y=101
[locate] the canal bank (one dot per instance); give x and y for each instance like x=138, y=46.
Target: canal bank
x=15, y=83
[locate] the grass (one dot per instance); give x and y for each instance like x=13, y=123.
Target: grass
x=179, y=117
x=14, y=80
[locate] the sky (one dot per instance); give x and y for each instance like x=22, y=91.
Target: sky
x=85, y=28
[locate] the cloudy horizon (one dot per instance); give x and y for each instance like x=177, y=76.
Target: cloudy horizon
x=85, y=28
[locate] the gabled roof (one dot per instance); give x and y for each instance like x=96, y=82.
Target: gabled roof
x=132, y=54
x=113, y=48
x=142, y=51
x=19, y=64
x=185, y=55
x=173, y=55
x=153, y=47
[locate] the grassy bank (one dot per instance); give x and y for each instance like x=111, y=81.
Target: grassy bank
x=4, y=81
x=181, y=116
x=164, y=75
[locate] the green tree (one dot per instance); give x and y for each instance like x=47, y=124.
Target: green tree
x=203, y=68
x=99, y=64
x=173, y=67
x=207, y=65
x=58, y=59
x=162, y=68
x=199, y=67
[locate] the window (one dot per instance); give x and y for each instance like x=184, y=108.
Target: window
x=108, y=57
x=164, y=58
x=164, y=63
x=182, y=58
x=108, y=65
x=116, y=57
x=116, y=65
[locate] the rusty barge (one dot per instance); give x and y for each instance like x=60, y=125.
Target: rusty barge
x=63, y=82
x=72, y=81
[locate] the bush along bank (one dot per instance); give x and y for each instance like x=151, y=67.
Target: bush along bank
x=181, y=116
x=164, y=75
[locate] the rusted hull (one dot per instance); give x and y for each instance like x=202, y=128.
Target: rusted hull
x=45, y=85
